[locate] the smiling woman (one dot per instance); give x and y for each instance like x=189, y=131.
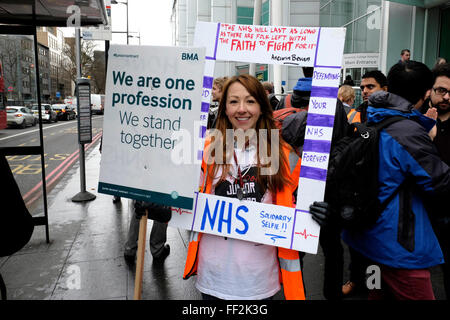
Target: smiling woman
x=242, y=109
x=230, y=268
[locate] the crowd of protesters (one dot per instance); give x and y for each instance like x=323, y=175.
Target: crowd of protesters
x=411, y=234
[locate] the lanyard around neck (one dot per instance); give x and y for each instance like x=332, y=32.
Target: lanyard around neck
x=240, y=189
x=241, y=183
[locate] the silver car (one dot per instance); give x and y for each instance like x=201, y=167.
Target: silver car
x=47, y=112
x=20, y=116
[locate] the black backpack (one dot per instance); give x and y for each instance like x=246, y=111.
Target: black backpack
x=352, y=179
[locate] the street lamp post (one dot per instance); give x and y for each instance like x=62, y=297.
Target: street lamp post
x=125, y=3
x=139, y=36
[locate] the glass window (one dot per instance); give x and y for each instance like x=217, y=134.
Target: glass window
x=362, y=21
x=244, y=15
x=341, y=12
x=348, y=36
x=325, y=14
x=265, y=13
x=365, y=37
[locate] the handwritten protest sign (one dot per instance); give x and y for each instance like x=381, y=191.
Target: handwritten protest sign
x=273, y=44
x=321, y=48
x=153, y=99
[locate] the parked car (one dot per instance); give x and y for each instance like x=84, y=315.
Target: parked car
x=47, y=112
x=20, y=116
x=64, y=111
x=97, y=103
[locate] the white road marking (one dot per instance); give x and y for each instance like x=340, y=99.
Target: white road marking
x=48, y=127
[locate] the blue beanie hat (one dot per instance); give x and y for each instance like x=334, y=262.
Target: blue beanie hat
x=303, y=84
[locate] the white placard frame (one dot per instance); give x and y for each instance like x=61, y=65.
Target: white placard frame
x=326, y=58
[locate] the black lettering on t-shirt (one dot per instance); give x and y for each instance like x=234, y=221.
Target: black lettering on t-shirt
x=253, y=191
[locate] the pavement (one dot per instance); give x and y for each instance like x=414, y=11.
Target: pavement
x=84, y=258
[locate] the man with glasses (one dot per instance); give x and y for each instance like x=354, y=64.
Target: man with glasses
x=440, y=100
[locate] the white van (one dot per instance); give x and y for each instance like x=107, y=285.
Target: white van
x=97, y=103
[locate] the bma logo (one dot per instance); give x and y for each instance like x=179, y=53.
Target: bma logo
x=189, y=56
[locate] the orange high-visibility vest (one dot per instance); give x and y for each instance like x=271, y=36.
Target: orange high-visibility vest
x=354, y=116
x=289, y=262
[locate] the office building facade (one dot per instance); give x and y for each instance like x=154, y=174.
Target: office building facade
x=376, y=30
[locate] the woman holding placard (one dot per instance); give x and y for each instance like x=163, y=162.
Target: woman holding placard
x=245, y=158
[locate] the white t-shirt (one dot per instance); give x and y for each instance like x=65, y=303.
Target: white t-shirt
x=233, y=269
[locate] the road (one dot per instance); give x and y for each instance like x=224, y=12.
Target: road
x=61, y=150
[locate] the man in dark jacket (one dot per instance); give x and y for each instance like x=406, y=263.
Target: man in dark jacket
x=402, y=242
x=440, y=100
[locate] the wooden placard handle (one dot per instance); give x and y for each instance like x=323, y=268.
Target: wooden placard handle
x=140, y=257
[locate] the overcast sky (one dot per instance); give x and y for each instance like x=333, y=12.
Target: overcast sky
x=149, y=17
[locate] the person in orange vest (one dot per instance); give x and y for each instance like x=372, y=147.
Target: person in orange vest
x=372, y=81
x=229, y=268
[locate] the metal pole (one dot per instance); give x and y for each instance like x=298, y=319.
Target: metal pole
x=425, y=32
x=276, y=21
x=41, y=134
x=256, y=21
x=81, y=145
x=83, y=195
x=127, y=24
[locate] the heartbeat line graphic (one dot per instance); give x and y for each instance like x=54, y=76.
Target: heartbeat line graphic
x=274, y=237
x=306, y=235
x=181, y=211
